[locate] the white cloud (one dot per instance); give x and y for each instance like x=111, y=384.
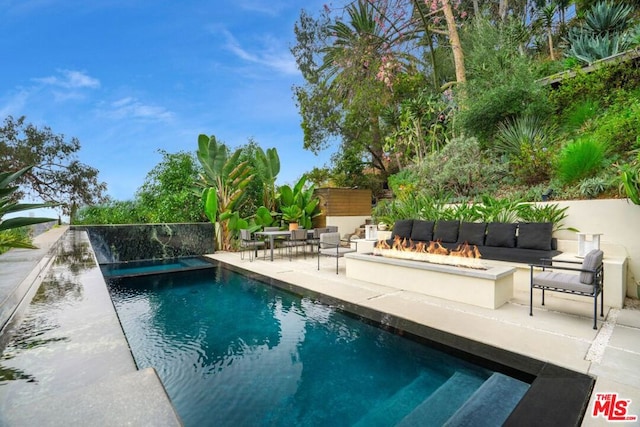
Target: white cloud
x=71, y=80
x=280, y=60
x=132, y=108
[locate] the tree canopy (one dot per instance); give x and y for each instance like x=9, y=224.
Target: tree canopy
x=57, y=175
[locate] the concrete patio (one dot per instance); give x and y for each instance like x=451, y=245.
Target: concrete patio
x=559, y=333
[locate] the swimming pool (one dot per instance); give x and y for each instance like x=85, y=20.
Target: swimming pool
x=231, y=350
x=138, y=268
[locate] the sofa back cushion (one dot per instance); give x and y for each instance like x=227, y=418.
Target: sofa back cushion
x=535, y=235
x=422, y=230
x=446, y=231
x=472, y=233
x=402, y=228
x=501, y=234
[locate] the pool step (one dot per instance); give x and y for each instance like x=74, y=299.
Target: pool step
x=444, y=402
x=491, y=403
x=396, y=407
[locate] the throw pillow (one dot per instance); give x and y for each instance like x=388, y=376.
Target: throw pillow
x=422, y=230
x=501, y=234
x=472, y=233
x=535, y=235
x=591, y=261
x=402, y=228
x=446, y=231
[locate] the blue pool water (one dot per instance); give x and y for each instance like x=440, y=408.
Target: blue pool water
x=137, y=268
x=233, y=351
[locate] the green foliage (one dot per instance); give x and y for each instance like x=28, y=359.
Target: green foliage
x=8, y=206
x=602, y=84
x=592, y=187
x=15, y=238
x=298, y=204
x=229, y=176
x=547, y=212
x=579, y=160
x=490, y=209
x=270, y=162
x=524, y=130
x=618, y=128
x=603, y=33
x=501, y=82
x=55, y=175
x=168, y=192
x=112, y=212
x=630, y=179
x=460, y=169
x=580, y=114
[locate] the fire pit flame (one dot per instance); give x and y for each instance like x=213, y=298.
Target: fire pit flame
x=463, y=255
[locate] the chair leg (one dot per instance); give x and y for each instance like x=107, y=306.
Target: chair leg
x=531, y=300
x=595, y=311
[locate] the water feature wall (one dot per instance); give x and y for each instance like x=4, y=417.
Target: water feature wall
x=120, y=243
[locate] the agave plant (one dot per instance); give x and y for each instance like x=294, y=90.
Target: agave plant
x=8, y=206
x=603, y=34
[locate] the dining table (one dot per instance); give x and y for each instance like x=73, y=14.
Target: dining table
x=272, y=237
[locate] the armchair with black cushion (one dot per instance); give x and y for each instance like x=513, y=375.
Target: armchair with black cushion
x=330, y=246
x=585, y=280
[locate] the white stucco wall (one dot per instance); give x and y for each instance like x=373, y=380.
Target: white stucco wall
x=619, y=222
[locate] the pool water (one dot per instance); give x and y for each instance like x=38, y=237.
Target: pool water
x=233, y=351
x=137, y=268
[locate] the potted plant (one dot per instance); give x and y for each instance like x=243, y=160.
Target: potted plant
x=291, y=215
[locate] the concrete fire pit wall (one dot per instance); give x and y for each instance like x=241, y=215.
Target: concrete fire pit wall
x=488, y=288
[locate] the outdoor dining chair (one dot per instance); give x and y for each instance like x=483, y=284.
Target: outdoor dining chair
x=330, y=246
x=248, y=242
x=297, y=240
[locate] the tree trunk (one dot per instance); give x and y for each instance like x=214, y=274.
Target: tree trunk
x=454, y=39
x=550, y=37
x=502, y=9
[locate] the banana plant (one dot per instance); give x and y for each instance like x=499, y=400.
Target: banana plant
x=8, y=205
x=228, y=176
x=271, y=166
x=303, y=200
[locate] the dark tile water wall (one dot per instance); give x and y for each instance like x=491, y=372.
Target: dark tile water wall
x=120, y=243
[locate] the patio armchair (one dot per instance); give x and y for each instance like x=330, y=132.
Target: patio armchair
x=587, y=280
x=248, y=242
x=314, y=240
x=330, y=246
x=297, y=240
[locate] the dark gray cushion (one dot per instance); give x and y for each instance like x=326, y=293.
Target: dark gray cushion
x=472, y=233
x=402, y=228
x=592, y=261
x=501, y=234
x=422, y=230
x=535, y=235
x=446, y=231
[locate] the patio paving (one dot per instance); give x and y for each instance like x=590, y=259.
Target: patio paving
x=560, y=333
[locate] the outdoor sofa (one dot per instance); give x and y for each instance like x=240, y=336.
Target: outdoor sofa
x=522, y=242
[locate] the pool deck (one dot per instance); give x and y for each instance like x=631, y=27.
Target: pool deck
x=560, y=333
x=108, y=390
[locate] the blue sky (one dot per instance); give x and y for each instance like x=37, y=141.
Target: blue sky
x=128, y=78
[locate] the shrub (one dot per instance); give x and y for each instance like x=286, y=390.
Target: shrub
x=592, y=187
x=579, y=160
x=619, y=127
x=460, y=169
x=581, y=113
